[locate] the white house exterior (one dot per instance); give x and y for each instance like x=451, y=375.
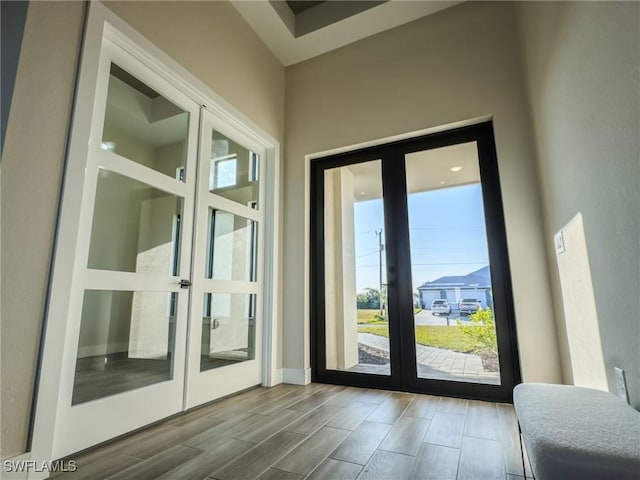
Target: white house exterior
x=476, y=285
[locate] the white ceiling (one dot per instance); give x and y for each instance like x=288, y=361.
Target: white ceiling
x=264, y=19
x=153, y=122
x=426, y=170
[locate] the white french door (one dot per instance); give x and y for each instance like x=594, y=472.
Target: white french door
x=165, y=304
x=127, y=321
x=225, y=349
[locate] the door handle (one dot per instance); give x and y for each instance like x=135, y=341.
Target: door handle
x=185, y=283
x=391, y=280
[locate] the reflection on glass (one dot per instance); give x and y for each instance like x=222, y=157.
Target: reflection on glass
x=126, y=342
x=228, y=329
x=454, y=326
x=232, y=249
x=356, y=320
x=136, y=228
x=143, y=126
x=233, y=173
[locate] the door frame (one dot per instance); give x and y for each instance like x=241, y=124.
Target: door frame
x=101, y=26
x=392, y=156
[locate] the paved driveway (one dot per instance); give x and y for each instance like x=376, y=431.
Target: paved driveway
x=425, y=317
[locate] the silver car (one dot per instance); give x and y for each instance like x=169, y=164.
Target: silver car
x=467, y=306
x=440, y=307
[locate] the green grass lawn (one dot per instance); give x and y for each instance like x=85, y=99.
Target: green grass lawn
x=434, y=336
x=368, y=317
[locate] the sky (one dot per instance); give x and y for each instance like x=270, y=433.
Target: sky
x=446, y=230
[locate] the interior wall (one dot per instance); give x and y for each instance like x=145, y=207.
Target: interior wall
x=32, y=162
x=581, y=69
x=114, y=242
x=458, y=64
x=208, y=38
x=213, y=42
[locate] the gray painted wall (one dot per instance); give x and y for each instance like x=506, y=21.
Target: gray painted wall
x=198, y=35
x=32, y=161
x=458, y=64
x=583, y=79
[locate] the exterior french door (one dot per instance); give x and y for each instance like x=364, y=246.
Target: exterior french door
x=410, y=277
x=165, y=306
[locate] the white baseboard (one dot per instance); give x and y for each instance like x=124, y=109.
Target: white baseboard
x=296, y=376
x=272, y=377
x=276, y=377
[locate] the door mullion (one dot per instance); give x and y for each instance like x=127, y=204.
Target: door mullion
x=400, y=300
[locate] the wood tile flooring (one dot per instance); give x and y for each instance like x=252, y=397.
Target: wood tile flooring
x=317, y=431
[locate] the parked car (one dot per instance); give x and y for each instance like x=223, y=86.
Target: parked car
x=440, y=307
x=467, y=306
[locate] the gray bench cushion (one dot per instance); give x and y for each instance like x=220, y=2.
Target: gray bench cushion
x=573, y=432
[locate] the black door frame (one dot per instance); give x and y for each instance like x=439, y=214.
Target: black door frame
x=400, y=298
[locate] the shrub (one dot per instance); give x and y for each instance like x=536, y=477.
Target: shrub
x=369, y=299
x=482, y=331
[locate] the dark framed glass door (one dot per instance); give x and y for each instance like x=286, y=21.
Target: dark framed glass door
x=411, y=287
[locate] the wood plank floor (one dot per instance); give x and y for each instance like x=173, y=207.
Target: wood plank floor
x=325, y=432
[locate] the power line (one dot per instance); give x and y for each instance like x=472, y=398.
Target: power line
x=449, y=263
x=369, y=252
x=430, y=264
x=443, y=227
x=380, y=250
x=448, y=248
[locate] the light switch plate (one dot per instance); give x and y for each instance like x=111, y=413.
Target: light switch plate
x=558, y=241
x=621, y=384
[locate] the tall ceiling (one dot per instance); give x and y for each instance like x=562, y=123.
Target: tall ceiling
x=435, y=169
x=299, y=30
x=299, y=6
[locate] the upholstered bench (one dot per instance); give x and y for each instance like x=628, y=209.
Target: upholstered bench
x=578, y=433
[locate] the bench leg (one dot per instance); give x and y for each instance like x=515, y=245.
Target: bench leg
x=524, y=466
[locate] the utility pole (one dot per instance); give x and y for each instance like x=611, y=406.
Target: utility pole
x=380, y=250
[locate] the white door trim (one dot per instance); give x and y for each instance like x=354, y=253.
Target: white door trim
x=104, y=26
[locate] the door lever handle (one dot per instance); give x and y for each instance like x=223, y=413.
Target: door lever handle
x=185, y=283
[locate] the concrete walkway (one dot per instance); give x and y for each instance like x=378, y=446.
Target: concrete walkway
x=440, y=363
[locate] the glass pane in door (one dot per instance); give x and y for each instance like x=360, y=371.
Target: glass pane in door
x=232, y=247
x=143, y=126
x=234, y=171
x=136, y=228
x=228, y=329
x=454, y=324
x=356, y=320
x=126, y=342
